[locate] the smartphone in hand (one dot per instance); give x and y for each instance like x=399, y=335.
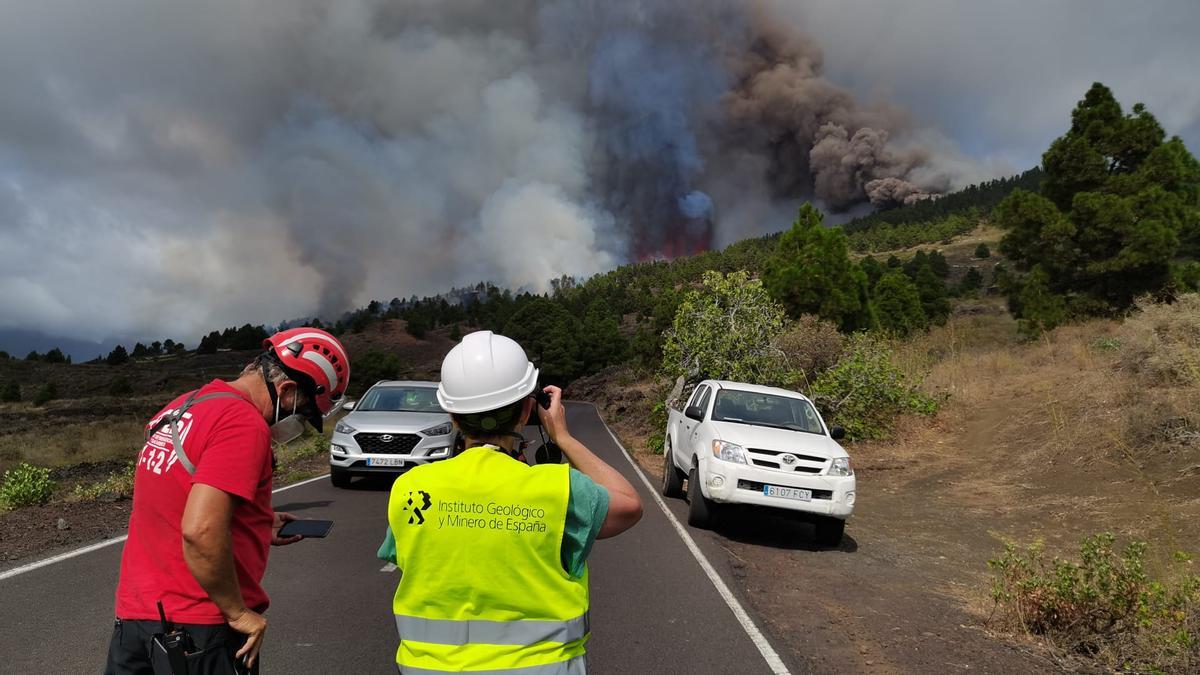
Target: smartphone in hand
x=309, y=529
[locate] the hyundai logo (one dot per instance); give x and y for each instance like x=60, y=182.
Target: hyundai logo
x=788, y=459
x=387, y=438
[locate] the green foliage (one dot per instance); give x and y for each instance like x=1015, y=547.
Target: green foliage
x=47, y=393
x=117, y=356
x=26, y=485
x=724, y=330
x=117, y=484
x=10, y=392
x=455, y=333
x=33, y=356
x=415, y=326
x=971, y=282
x=657, y=421
x=551, y=337
x=120, y=386
x=1040, y=308
x=55, y=356
x=975, y=199
x=865, y=391
x=898, y=305
x=372, y=367
x=1119, y=208
x=887, y=237
x=1106, y=605
x=811, y=273
x=600, y=341
x=982, y=251
x=934, y=300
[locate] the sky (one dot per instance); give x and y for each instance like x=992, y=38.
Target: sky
x=167, y=168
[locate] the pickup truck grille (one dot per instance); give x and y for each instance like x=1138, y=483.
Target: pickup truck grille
x=397, y=444
x=755, y=486
x=770, y=459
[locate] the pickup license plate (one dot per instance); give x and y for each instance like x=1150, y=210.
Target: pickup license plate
x=384, y=461
x=787, y=493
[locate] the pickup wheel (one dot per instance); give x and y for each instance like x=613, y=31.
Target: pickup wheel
x=700, y=509
x=672, y=482
x=830, y=531
x=340, y=478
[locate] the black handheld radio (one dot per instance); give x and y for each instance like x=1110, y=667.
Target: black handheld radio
x=175, y=643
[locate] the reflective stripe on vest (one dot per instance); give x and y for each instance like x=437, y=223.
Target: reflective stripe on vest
x=576, y=666
x=475, y=631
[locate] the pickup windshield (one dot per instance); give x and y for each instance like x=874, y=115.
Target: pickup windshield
x=766, y=410
x=400, y=399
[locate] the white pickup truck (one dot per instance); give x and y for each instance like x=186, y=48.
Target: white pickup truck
x=740, y=443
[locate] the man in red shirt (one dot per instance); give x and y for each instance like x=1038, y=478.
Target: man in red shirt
x=202, y=518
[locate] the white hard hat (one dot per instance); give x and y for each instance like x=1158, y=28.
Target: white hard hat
x=485, y=372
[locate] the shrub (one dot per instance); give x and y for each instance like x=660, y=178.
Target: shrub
x=982, y=251
x=1162, y=341
x=47, y=393
x=810, y=346
x=26, y=485
x=118, y=484
x=865, y=391
x=1105, y=606
x=10, y=392
x=120, y=387
x=725, y=331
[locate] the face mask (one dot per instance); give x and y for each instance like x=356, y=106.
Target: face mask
x=288, y=429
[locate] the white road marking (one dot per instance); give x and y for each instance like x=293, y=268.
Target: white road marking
x=760, y=641
x=388, y=568
x=109, y=542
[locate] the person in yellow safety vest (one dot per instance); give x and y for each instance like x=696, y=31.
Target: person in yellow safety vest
x=492, y=551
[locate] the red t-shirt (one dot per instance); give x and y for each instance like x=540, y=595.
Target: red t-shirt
x=229, y=443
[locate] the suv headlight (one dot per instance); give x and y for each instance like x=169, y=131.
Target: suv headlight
x=729, y=452
x=439, y=430
x=343, y=428
x=841, y=467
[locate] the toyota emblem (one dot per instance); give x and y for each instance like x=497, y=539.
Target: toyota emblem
x=388, y=438
x=788, y=459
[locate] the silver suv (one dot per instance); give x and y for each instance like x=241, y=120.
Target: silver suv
x=392, y=428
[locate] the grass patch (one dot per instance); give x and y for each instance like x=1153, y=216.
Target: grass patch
x=117, y=485
x=74, y=443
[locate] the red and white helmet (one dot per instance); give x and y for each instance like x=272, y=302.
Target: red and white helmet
x=317, y=355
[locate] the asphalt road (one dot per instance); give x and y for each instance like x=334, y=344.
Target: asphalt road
x=654, y=608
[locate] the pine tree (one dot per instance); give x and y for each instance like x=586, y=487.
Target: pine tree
x=982, y=251
x=898, y=304
x=117, y=356
x=1118, y=210
x=811, y=273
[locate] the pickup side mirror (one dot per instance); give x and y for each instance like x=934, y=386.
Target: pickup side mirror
x=695, y=412
x=837, y=433
x=348, y=406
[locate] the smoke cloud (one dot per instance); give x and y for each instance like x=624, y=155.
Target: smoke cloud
x=229, y=162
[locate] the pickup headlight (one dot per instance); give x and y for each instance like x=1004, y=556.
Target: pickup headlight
x=343, y=428
x=439, y=430
x=729, y=452
x=841, y=467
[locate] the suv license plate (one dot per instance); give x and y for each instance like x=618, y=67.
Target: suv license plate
x=384, y=461
x=787, y=493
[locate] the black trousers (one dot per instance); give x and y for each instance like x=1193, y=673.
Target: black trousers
x=132, y=652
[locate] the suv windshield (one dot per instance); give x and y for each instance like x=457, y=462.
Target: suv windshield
x=768, y=410
x=400, y=399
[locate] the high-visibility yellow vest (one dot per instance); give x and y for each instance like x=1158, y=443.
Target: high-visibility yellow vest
x=478, y=543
